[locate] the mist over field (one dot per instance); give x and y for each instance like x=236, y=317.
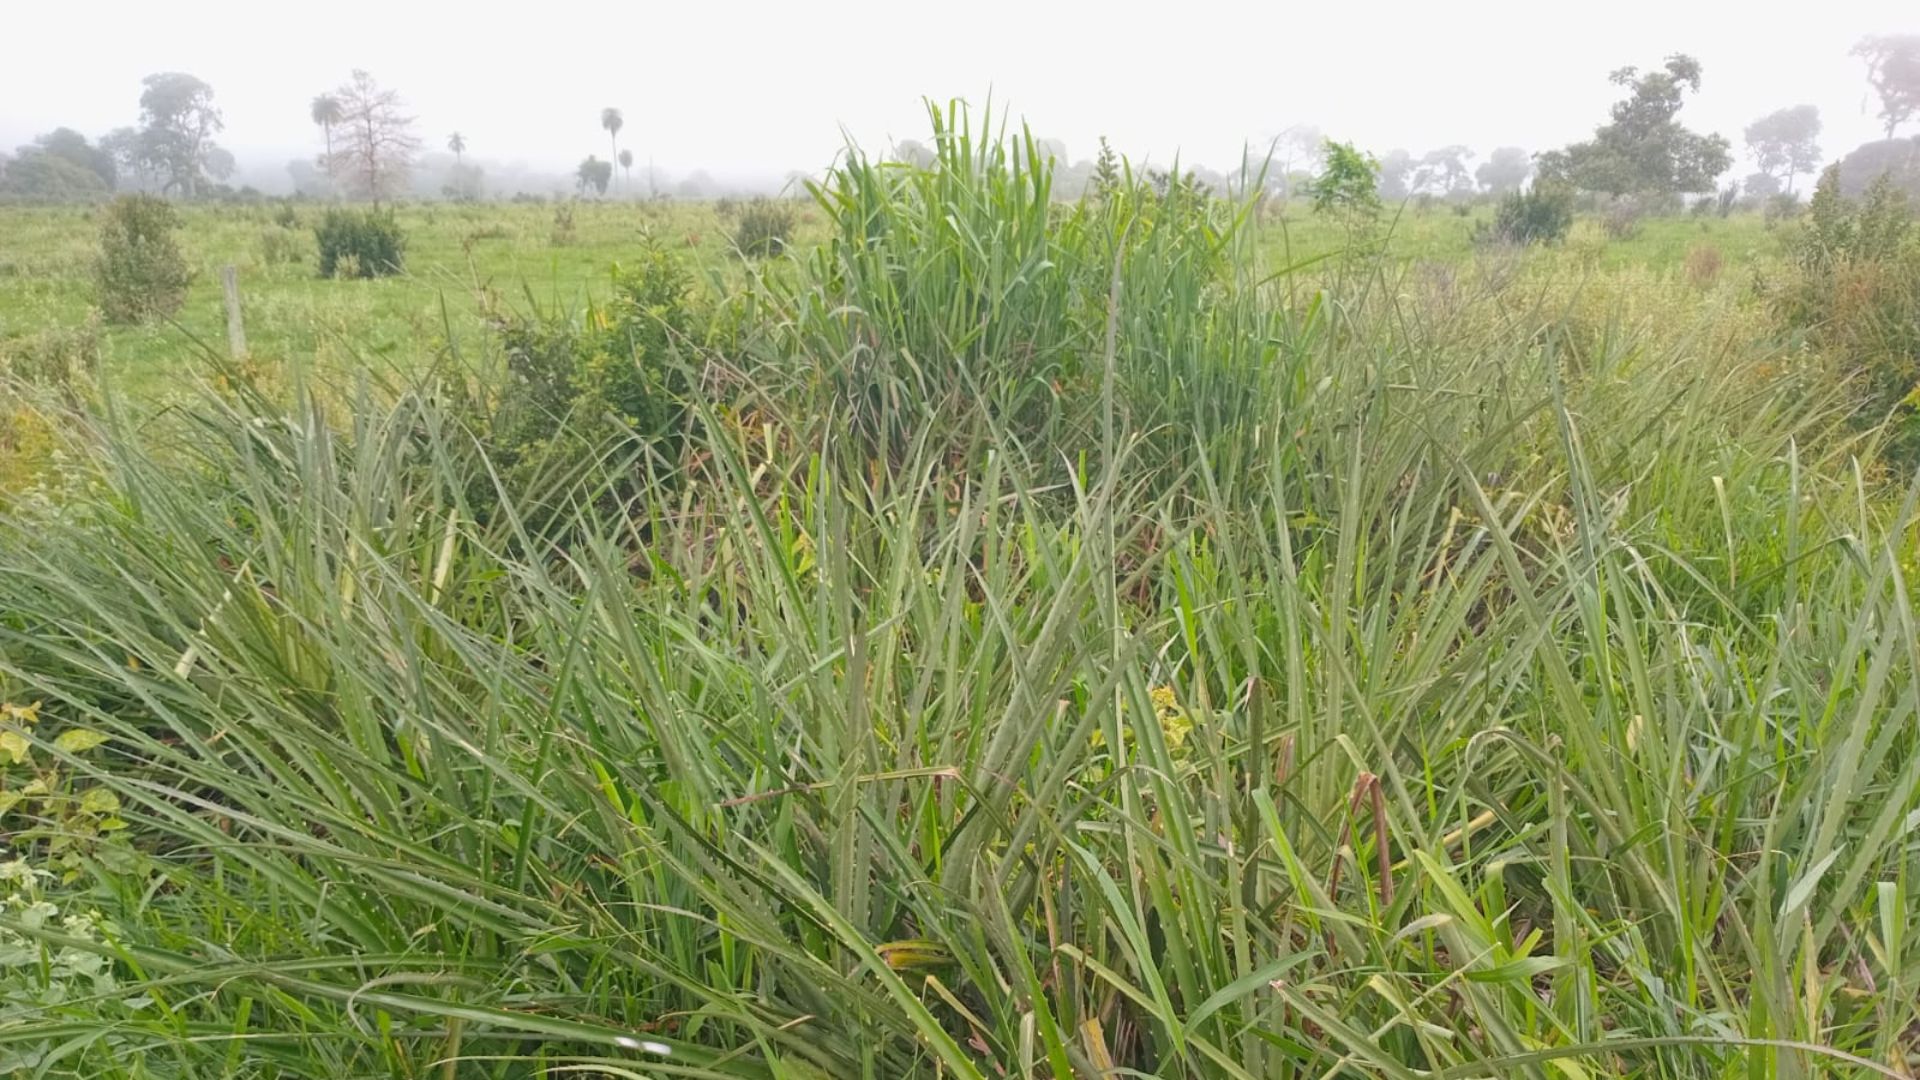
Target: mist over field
x=749, y=93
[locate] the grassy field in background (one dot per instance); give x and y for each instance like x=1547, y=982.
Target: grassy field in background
x=456, y=252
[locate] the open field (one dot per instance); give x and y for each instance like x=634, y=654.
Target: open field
x=998, y=638
x=455, y=253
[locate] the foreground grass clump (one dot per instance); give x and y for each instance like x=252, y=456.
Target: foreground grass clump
x=1062, y=656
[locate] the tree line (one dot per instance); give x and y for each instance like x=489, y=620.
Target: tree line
x=370, y=145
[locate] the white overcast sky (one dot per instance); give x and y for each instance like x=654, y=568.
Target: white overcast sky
x=754, y=87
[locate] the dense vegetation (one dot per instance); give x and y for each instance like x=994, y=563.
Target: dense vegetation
x=992, y=638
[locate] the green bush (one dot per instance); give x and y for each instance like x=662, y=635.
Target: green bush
x=1854, y=290
x=766, y=225
x=360, y=243
x=140, y=273
x=579, y=389
x=1541, y=215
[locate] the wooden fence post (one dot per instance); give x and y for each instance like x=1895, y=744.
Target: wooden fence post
x=236, y=334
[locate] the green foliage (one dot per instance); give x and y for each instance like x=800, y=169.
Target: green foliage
x=593, y=175
x=139, y=273
x=360, y=243
x=1644, y=150
x=36, y=176
x=1539, y=215
x=1347, y=187
x=764, y=228
x=1855, y=290
x=611, y=382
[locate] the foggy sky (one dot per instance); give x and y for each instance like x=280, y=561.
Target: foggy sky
x=755, y=88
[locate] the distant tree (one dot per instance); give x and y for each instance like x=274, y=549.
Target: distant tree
x=457, y=143
x=1396, y=174
x=1896, y=159
x=325, y=111
x=915, y=153
x=1298, y=150
x=1644, y=150
x=1786, y=142
x=593, y=173
x=1761, y=186
x=1893, y=68
x=70, y=146
x=1444, y=171
x=1506, y=169
x=611, y=120
x=1054, y=149
x=626, y=169
x=131, y=167
x=37, y=176
x=178, y=121
x=376, y=155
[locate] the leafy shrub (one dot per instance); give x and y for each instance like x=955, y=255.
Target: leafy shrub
x=360, y=243
x=63, y=359
x=285, y=216
x=578, y=388
x=1541, y=215
x=140, y=272
x=765, y=227
x=1854, y=289
x=563, y=232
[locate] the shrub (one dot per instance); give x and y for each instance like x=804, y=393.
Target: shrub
x=140, y=272
x=1541, y=215
x=764, y=229
x=371, y=238
x=1703, y=265
x=1854, y=289
x=63, y=359
x=579, y=388
x=285, y=216
x=563, y=234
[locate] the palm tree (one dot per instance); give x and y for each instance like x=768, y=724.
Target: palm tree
x=611, y=119
x=458, y=144
x=626, y=168
x=326, y=111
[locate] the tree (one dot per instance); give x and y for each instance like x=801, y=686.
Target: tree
x=72, y=147
x=1896, y=159
x=626, y=169
x=1786, y=143
x=324, y=109
x=377, y=152
x=1396, y=172
x=1893, y=68
x=593, y=173
x=1644, y=150
x=42, y=177
x=1505, y=170
x=1444, y=171
x=915, y=153
x=178, y=121
x=611, y=119
x=1298, y=149
x=127, y=149
x=1348, y=189
x=457, y=143
x=1761, y=186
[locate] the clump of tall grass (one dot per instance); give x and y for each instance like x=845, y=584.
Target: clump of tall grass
x=1064, y=655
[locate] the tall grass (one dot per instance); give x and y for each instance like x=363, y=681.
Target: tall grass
x=1063, y=651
